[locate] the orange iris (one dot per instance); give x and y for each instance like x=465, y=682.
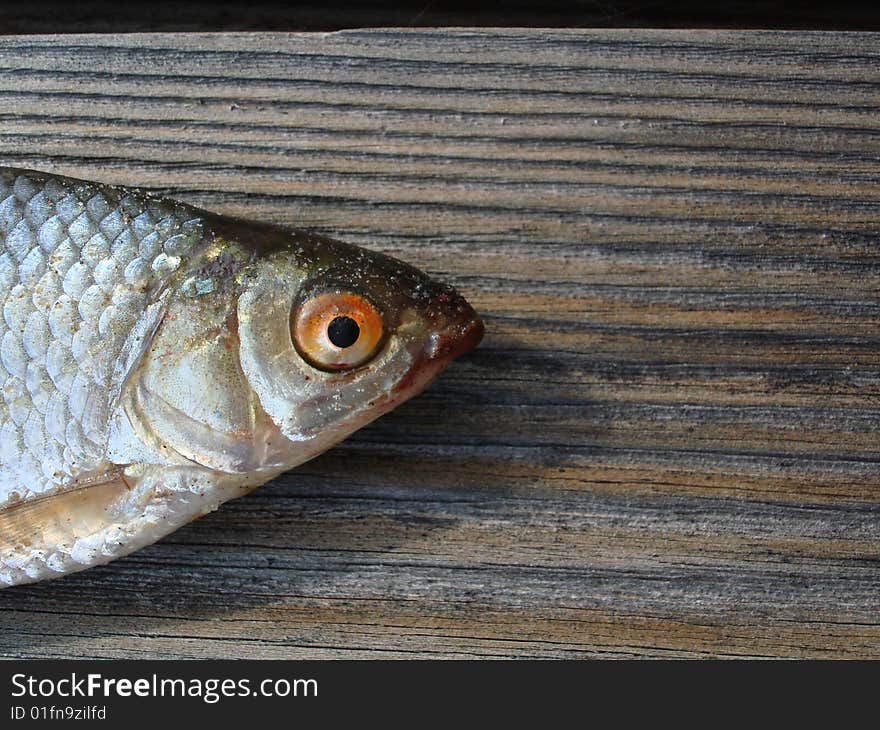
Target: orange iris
x=336, y=330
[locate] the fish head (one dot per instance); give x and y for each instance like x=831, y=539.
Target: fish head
x=274, y=345
x=331, y=336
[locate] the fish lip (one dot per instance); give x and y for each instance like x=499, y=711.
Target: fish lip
x=456, y=340
x=441, y=349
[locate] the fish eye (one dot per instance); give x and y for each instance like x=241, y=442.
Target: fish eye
x=336, y=330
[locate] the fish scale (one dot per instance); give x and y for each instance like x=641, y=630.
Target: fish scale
x=78, y=262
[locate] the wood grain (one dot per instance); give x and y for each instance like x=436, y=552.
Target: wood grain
x=667, y=444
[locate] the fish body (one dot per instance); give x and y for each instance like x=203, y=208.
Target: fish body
x=157, y=360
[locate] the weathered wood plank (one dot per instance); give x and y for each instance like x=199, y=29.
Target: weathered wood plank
x=668, y=443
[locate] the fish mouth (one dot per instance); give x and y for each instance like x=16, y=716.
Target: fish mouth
x=460, y=336
x=456, y=340
x=457, y=328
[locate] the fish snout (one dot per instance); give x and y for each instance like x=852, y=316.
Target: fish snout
x=458, y=328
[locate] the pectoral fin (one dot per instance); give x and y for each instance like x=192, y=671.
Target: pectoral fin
x=47, y=523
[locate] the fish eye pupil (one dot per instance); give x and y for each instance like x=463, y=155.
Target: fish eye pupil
x=343, y=332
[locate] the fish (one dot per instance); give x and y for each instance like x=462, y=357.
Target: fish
x=157, y=360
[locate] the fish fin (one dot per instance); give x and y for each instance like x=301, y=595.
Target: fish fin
x=61, y=519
